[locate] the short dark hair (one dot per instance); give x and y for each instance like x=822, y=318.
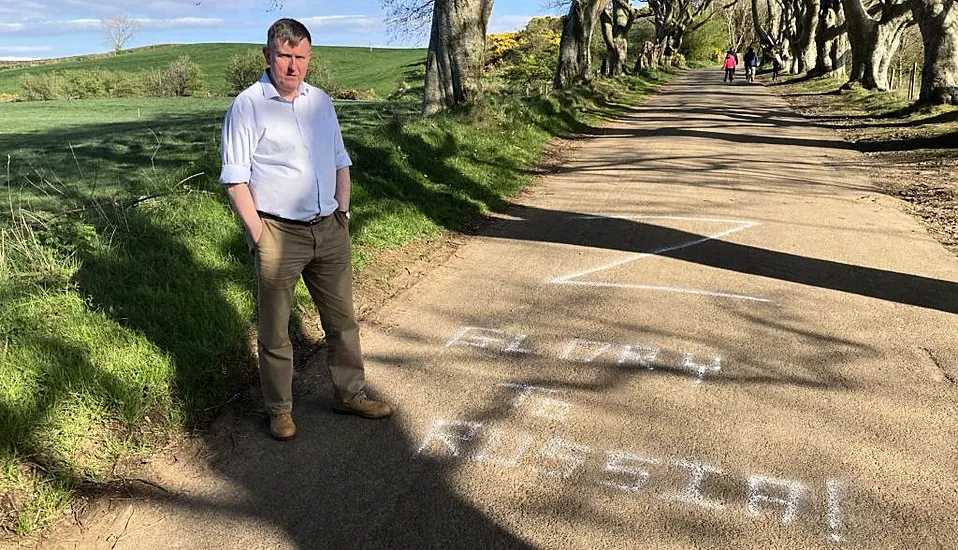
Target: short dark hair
x=287, y=31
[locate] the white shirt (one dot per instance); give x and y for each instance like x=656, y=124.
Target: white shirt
x=288, y=151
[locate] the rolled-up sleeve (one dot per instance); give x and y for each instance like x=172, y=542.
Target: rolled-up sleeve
x=342, y=157
x=238, y=144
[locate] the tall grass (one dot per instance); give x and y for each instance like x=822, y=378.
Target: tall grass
x=126, y=305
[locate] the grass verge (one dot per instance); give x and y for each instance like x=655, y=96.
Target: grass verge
x=126, y=288
x=874, y=120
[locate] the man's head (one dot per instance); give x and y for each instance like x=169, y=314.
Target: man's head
x=287, y=50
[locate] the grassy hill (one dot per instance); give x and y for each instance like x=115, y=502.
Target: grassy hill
x=364, y=68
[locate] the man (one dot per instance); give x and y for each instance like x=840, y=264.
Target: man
x=287, y=174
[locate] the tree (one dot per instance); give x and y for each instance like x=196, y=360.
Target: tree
x=767, y=23
x=642, y=41
x=806, y=40
x=119, y=30
x=875, y=33
x=738, y=25
x=575, y=58
x=831, y=41
x=674, y=18
x=406, y=18
x=938, y=22
x=811, y=32
x=457, y=44
x=616, y=21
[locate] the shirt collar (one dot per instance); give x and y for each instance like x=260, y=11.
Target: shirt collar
x=270, y=92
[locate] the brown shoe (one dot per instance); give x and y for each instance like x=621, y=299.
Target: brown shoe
x=281, y=426
x=360, y=405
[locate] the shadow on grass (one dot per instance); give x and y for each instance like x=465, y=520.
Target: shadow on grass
x=400, y=167
x=117, y=159
x=69, y=370
x=151, y=283
x=940, y=118
x=143, y=331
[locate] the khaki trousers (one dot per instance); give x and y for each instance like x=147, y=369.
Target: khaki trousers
x=320, y=253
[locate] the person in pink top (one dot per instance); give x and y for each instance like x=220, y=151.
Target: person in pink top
x=731, y=60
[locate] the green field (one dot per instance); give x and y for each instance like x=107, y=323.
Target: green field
x=361, y=68
x=104, y=148
x=126, y=285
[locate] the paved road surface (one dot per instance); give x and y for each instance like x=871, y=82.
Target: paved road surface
x=707, y=330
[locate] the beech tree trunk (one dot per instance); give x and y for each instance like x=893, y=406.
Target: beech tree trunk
x=831, y=41
x=873, y=42
x=789, y=38
x=768, y=37
x=938, y=22
x=807, y=52
x=457, y=45
x=616, y=23
x=574, y=47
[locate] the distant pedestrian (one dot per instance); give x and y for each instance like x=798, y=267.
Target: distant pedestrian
x=751, y=64
x=777, y=64
x=286, y=171
x=729, y=64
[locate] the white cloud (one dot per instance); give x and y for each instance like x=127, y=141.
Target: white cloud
x=321, y=25
x=339, y=20
x=74, y=24
x=50, y=26
x=181, y=23
x=21, y=12
x=507, y=23
x=56, y=27
x=21, y=7
x=25, y=49
x=170, y=7
x=87, y=7
x=14, y=58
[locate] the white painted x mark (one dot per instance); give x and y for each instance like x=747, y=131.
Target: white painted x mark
x=580, y=278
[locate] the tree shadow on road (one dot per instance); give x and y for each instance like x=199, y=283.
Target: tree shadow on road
x=536, y=224
x=734, y=137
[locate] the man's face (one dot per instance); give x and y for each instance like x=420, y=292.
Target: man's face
x=287, y=65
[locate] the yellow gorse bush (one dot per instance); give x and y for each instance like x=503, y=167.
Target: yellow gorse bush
x=500, y=45
x=539, y=36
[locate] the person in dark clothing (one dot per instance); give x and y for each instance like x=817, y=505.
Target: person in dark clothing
x=751, y=63
x=777, y=64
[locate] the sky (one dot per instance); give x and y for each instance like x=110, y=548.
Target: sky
x=38, y=29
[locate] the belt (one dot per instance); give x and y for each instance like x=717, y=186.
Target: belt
x=306, y=223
